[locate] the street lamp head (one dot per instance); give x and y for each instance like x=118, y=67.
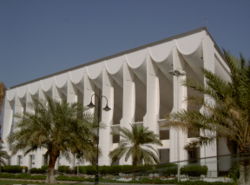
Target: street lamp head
x=176, y=73
x=91, y=105
x=107, y=108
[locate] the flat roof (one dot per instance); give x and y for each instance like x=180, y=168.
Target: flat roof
x=125, y=52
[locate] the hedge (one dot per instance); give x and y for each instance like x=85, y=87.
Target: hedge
x=115, y=170
x=38, y=170
x=64, y=169
x=167, y=170
x=14, y=169
x=22, y=176
x=194, y=170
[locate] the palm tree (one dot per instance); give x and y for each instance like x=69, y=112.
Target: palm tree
x=55, y=126
x=138, y=144
x=228, y=116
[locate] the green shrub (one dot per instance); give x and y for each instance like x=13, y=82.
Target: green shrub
x=112, y=170
x=194, y=170
x=14, y=169
x=115, y=170
x=75, y=178
x=104, y=170
x=22, y=176
x=89, y=170
x=64, y=169
x=167, y=169
x=234, y=172
x=44, y=167
x=37, y=170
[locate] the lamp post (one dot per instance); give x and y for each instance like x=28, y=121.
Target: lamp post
x=106, y=108
x=177, y=74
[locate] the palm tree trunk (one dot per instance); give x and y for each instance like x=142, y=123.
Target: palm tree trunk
x=51, y=170
x=134, y=164
x=244, y=174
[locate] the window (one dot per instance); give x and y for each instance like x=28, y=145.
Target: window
x=116, y=138
x=194, y=155
x=164, y=155
x=9, y=161
x=193, y=132
x=19, y=160
x=115, y=134
x=164, y=134
x=59, y=161
x=45, y=160
x=31, y=160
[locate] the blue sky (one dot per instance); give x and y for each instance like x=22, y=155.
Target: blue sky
x=40, y=37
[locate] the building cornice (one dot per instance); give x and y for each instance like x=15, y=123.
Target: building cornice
x=125, y=52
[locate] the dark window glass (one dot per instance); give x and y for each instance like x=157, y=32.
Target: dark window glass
x=164, y=134
x=45, y=160
x=116, y=138
x=164, y=155
x=19, y=160
x=193, y=132
x=194, y=155
x=31, y=160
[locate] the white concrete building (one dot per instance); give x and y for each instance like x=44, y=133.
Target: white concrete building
x=142, y=85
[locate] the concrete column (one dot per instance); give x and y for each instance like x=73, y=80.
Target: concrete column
x=211, y=149
x=88, y=91
x=56, y=93
x=153, y=92
x=29, y=109
x=71, y=94
x=128, y=97
x=128, y=102
x=42, y=94
x=8, y=117
x=42, y=97
x=18, y=110
x=177, y=136
x=71, y=98
x=8, y=120
x=105, y=137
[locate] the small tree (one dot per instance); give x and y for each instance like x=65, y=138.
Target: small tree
x=55, y=126
x=138, y=144
x=2, y=94
x=3, y=154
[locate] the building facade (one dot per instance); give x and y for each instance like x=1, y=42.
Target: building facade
x=142, y=85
